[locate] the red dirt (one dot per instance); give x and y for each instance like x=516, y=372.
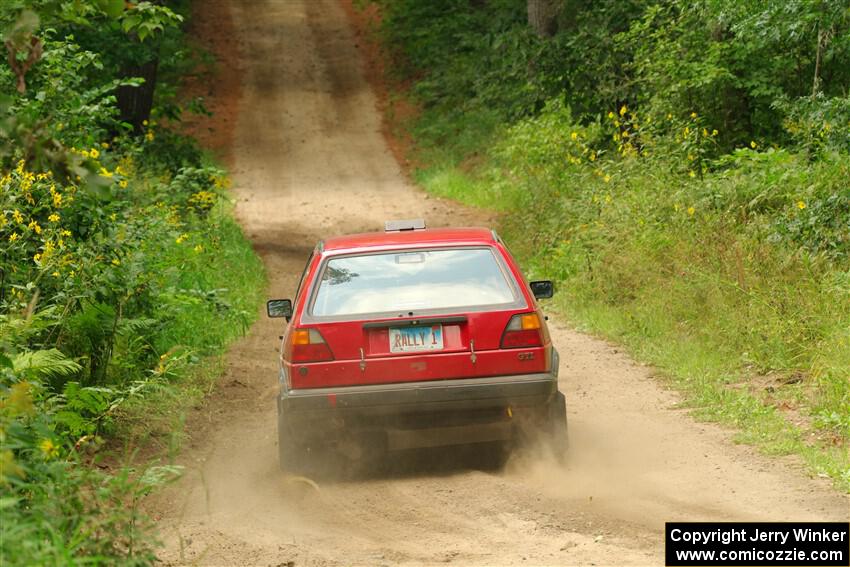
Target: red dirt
x=219, y=83
x=393, y=100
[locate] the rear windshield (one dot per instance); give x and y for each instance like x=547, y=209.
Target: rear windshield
x=413, y=281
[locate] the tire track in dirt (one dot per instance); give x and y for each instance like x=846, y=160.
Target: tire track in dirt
x=308, y=160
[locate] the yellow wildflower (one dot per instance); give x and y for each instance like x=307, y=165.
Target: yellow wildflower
x=57, y=199
x=104, y=145
x=693, y=114
x=607, y=178
x=753, y=144
x=714, y=132
x=181, y=238
x=691, y=173
x=198, y=248
x=149, y=136
x=16, y=214
x=53, y=218
x=123, y=184
x=65, y=232
x=48, y=448
x=13, y=237
x=610, y=115
x=94, y=153
x=33, y=225
x=55, y=274
x=574, y=136
x=105, y=172
x=801, y=205
x=623, y=110
x=691, y=211
x=116, y=262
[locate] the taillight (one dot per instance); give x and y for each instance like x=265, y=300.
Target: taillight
x=523, y=330
x=307, y=345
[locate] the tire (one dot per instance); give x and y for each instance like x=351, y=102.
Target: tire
x=292, y=458
x=554, y=432
x=494, y=455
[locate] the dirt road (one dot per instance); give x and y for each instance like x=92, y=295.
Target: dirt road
x=308, y=161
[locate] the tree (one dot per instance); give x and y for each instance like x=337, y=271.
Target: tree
x=543, y=16
x=144, y=25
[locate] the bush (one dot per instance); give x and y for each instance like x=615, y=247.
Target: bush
x=121, y=267
x=684, y=172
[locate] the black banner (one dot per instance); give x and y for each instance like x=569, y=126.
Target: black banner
x=814, y=544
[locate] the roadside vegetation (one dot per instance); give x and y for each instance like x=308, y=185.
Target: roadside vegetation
x=122, y=274
x=680, y=169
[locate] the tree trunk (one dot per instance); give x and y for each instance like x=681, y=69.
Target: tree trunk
x=543, y=16
x=135, y=103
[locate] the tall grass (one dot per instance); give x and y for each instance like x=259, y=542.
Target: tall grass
x=735, y=283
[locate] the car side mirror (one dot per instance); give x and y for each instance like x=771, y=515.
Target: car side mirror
x=279, y=308
x=543, y=289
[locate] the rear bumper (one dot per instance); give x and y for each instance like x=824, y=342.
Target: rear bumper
x=515, y=391
x=428, y=413
x=416, y=414
x=413, y=397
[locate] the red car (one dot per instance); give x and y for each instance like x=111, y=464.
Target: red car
x=411, y=338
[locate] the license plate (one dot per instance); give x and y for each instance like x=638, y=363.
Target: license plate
x=416, y=339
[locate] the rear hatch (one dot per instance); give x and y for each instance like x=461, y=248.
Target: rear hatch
x=414, y=315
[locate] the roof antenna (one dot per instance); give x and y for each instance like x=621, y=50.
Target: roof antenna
x=402, y=225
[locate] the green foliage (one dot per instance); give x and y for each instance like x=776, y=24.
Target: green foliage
x=684, y=168
x=147, y=19
x=43, y=364
x=752, y=71
x=121, y=269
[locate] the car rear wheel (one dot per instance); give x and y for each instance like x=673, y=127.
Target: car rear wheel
x=555, y=428
x=542, y=430
x=292, y=457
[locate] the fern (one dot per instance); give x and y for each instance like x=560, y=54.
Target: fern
x=130, y=327
x=50, y=363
